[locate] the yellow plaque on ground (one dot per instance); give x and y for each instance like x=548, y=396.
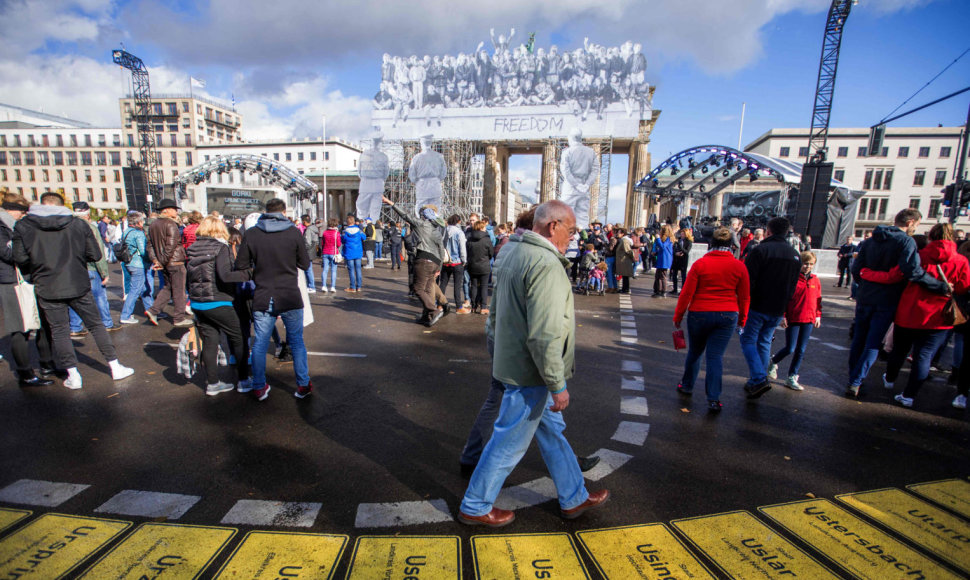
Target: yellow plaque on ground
x=9, y=517
x=401, y=557
x=527, y=556
x=858, y=547
x=743, y=547
x=941, y=533
x=273, y=555
x=648, y=551
x=54, y=544
x=162, y=550
x=952, y=494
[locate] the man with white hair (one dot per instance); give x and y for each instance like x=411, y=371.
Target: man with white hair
x=532, y=325
x=579, y=171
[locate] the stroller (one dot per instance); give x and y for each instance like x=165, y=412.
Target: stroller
x=585, y=283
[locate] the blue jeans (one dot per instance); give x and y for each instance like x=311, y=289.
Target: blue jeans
x=871, y=324
x=924, y=344
x=379, y=252
x=610, y=275
x=482, y=428
x=329, y=266
x=141, y=287
x=310, y=284
x=100, y=299
x=525, y=414
x=796, y=341
x=710, y=332
x=957, y=349
x=264, y=322
x=756, y=344
x=466, y=283
x=355, y=273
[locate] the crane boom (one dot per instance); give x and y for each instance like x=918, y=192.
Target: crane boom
x=825, y=87
x=143, y=116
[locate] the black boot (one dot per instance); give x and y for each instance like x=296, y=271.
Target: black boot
x=29, y=379
x=48, y=370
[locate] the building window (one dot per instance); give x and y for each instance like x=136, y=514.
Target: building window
x=58, y=158
x=71, y=158
x=940, y=178
x=313, y=155
x=16, y=140
x=276, y=156
x=934, y=208
x=784, y=151
x=877, y=179
x=843, y=152
x=944, y=151
x=85, y=158
x=115, y=158
x=60, y=176
x=131, y=140
x=117, y=175
x=30, y=141
x=289, y=157
x=29, y=158
x=172, y=108
x=175, y=139
x=903, y=152
x=90, y=194
x=188, y=140
x=185, y=106
x=45, y=175
x=175, y=158
x=862, y=152
x=3, y=157
x=924, y=151
x=887, y=181
x=101, y=158
x=14, y=158
x=73, y=141
x=116, y=140
x=74, y=176
x=326, y=156
x=884, y=152
x=157, y=108
x=299, y=156
x=118, y=194
x=867, y=180
x=102, y=177
x=803, y=151
x=188, y=158
x=104, y=194
x=87, y=140
x=59, y=140
x=30, y=175
x=43, y=158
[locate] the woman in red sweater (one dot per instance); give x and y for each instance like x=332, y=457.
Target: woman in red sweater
x=715, y=298
x=804, y=313
x=919, y=324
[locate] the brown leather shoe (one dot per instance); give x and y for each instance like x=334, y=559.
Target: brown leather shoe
x=596, y=499
x=493, y=519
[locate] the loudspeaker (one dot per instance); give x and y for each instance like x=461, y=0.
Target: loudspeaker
x=136, y=189
x=811, y=201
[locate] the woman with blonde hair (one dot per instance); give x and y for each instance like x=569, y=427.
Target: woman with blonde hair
x=663, y=251
x=212, y=283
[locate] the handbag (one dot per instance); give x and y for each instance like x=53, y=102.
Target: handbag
x=29, y=315
x=338, y=258
x=679, y=341
x=953, y=315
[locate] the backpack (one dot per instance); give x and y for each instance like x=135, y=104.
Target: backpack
x=121, y=250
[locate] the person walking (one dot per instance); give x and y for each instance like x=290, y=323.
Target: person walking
x=533, y=330
x=454, y=267
x=311, y=235
x=888, y=247
x=370, y=243
x=167, y=254
x=681, y=259
x=189, y=231
x=844, y=262
x=277, y=254
x=663, y=251
x=394, y=239
x=212, y=288
x=330, y=243
x=352, y=241
x=429, y=250
x=15, y=207
x=715, y=298
x=479, y=252
x=625, y=259
x=98, y=276
x=53, y=248
x=803, y=313
x=773, y=270
x=378, y=240
x=139, y=274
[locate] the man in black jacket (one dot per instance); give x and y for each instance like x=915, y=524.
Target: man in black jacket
x=876, y=303
x=53, y=248
x=773, y=267
x=845, y=259
x=276, y=251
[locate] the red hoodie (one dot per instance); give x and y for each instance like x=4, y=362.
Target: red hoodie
x=919, y=308
x=806, y=303
x=715, y=283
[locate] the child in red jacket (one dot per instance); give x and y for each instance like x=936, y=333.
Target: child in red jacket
x=804, y=313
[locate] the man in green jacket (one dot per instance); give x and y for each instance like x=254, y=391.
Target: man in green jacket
x=533, y=327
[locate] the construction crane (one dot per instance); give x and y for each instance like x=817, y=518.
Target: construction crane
x=143, y=117
x=809, y=205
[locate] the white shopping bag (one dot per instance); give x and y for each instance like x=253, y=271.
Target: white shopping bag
x=307, y=310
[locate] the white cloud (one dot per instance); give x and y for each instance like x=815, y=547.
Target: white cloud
x=26, y=25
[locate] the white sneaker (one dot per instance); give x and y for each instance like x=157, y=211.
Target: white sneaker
x=245, y=386
x=960, y=402
x=130, y=320
x=220, y=387
x=332, y=289
x=773, y=372
x=73, y=383
x=120, y=372
x=904, y=401
x=886, y=384
x=792, y=383
x=324, y=289
x=311, y=291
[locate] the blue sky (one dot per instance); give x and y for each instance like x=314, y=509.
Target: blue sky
x=290, y=62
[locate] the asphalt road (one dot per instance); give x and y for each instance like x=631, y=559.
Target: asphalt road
x=387, y=424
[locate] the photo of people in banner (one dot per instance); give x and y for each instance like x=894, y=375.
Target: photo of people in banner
x=587, y=79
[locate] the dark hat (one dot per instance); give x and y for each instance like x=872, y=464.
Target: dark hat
x=81, y=206
x=166, y=204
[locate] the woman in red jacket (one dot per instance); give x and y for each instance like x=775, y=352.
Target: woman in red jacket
x=804, y=313
x=919, y=324
x=715, y=297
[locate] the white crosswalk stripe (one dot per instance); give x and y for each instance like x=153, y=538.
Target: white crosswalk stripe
x=634, y=406
x=149, y=504
x=404, y=513
x=631, y=366
x=41, y=493
x=632, y=433
x=252, y=512
x=632, y=383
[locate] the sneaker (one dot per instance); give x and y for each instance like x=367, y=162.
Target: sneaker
x=185, y=322
x=463, y=310
x=714, y=406
x=434, y=318
x=72, y=383
x=773, y=372
x=311, y=290
x=129, y=320
x=349, y=290
x=262, y=394
x=852, y=391
x=245, y=386
x=484, y=311
x=303, y=392
x=792, y=383
x=886, y=384
x=332, y=289
x=325, y=289
x=119, y=372
x=682, y=391
x=79, y=334
x=904, y=401
x=756, y=390
x=960, y=402
x=220, y=387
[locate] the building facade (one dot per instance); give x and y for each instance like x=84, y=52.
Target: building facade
x=912, y=168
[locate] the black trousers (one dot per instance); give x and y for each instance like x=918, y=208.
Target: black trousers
x=57, y=316
x=411, y=261
x=847, y=274
x=211, y=323
x=458, y=273
x=678, y=269
x=395, y=255
x=478, y=288
x=21, y=352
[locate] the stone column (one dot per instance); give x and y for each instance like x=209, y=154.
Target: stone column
x=594, y=190
x=550, y=173
x=633, y=214
x=492, y=183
